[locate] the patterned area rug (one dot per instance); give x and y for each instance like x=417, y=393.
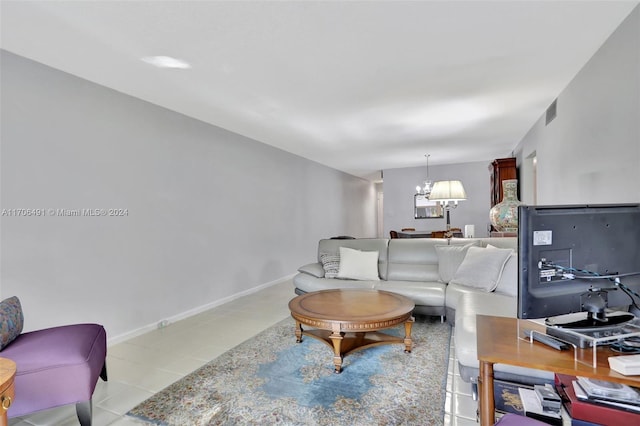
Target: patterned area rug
x=270, y=379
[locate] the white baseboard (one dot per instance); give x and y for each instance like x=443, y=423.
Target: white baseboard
x=191, y=312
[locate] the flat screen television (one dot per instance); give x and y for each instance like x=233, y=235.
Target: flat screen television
x=578, y=258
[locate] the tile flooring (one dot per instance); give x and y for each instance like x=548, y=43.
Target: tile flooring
x=144, y=365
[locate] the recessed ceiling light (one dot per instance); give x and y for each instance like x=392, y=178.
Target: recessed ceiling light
x=166, y=62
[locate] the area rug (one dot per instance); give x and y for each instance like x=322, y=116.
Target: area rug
x=271, y=379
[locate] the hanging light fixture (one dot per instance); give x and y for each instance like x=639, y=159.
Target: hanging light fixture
x=426, y=188
x=446, y=192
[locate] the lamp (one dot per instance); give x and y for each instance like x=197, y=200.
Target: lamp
x=426, y=190
x=445, y=191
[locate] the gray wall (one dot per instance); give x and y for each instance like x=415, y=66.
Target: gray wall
x=591, y=152
x=400, y=185
x=210, y=214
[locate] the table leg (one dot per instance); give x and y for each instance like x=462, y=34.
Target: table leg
x=487, y=403
x=336, y=337
x=298, y=332
x=408, y=343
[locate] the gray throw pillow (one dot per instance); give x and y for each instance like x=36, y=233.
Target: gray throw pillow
x=482, y=268
x=508, y=283
x=449, y=259
x=330, y=264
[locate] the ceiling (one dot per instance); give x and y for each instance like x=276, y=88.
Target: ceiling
x=357, y=86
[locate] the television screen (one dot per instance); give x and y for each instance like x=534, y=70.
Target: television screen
x=577, y=258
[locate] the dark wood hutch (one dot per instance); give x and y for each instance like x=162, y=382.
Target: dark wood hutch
x=501, y=169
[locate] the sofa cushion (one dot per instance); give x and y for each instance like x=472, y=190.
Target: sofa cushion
x=308, y=283
x=314, y=269
x=11, y=320
x=330, y=264
x=422, y=293
x=414, y=259
x=449, y=260
x=482, y=268
x=358, y=265
x=499, y=242
x=454, y=292
x=491, y=246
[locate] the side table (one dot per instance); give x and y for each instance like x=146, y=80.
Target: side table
x=7, y=392
x=498, y=343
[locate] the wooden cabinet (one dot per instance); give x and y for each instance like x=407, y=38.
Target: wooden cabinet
x=501, y=169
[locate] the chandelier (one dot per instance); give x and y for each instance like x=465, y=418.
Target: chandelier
x=426, y=188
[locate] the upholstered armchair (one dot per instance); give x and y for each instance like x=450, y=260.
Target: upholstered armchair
x=55, y=366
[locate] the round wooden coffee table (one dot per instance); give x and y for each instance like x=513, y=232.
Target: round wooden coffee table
x=348, y=320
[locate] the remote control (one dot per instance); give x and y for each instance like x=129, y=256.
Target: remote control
x=547, y=340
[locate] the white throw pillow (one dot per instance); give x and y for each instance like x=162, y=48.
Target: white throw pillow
x=358, y=265
x=449, y=259
x=482, y=268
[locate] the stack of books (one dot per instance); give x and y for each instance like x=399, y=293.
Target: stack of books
x=542, y=403
x=615, y=395
x=599, y=402
x=629, y=365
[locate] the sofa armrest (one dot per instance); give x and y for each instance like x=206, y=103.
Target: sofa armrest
x=314, y=269
x=470, y=305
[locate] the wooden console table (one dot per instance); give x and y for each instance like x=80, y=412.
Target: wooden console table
x=7, y=374
x=423, y=234
x=498, y=343
x=497, y=234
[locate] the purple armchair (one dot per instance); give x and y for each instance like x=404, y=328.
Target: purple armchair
x=57, y=366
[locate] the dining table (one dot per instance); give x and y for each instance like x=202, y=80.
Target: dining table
x=423, y=234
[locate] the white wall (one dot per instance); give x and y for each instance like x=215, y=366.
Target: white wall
x=400, y=186
x=590, y=153
x=210, y=214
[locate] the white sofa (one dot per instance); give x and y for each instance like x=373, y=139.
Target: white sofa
x=456, y=279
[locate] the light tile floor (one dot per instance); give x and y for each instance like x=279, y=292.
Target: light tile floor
x=144, y=365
